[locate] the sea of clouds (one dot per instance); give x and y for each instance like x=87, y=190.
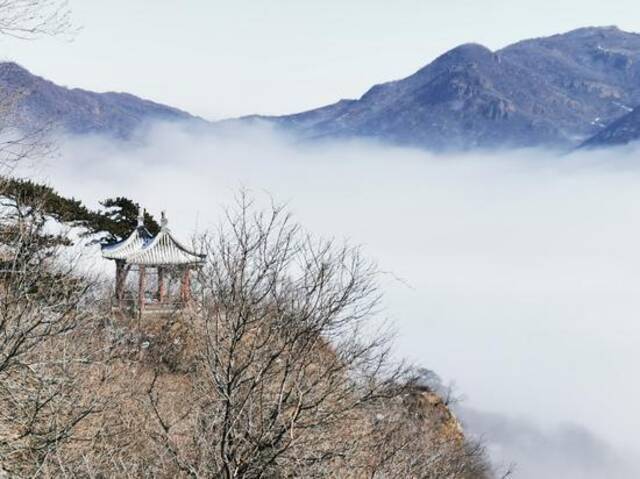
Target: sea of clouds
x=515, y=274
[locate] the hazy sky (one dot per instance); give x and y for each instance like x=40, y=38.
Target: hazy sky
x=223, y=58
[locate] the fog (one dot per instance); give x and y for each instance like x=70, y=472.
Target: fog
x=514, y=274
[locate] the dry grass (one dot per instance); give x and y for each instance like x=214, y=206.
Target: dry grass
x=155, y=399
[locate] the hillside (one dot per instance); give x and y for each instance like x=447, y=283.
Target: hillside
x=163, y=383
x=555, y=91
x=620, y=132
x=39, y=103
x=260, y=371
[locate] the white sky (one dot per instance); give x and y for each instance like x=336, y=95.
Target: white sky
x=219, y=58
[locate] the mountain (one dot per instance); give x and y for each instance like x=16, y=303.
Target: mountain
x=620, y=132
x=554, y=91
x=39, y=103
x=559, y=91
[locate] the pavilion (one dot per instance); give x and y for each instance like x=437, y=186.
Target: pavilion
x=143, y=251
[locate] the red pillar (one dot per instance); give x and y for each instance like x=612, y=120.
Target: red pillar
x=185, y=287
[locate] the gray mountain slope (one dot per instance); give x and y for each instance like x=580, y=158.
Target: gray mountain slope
x=39, y=103
x=555, y=91
x=620, y=132
x=558, y=91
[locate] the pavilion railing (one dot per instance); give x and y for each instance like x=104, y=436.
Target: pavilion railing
x=132, y=305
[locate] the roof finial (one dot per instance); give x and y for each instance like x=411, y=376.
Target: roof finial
x=140, y=217
x=163, y=220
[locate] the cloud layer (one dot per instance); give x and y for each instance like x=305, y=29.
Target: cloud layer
x=520, y=271
x=564, y=450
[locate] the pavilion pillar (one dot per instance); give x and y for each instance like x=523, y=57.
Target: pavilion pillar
x=141, y=287
x=162, y=290
x=185, y=286
x=120, y=278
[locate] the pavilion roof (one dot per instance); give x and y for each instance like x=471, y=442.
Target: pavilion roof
x=138, y=239
x=163, y=249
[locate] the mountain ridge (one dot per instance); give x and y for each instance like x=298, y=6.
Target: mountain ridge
x=40, y=103
x=623, y=131
x=559, y=91
x=550, y=91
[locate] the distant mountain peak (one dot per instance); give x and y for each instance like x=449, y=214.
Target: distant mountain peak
x=468, y=51
x=41, y=102
x=594, y=29
x=552, y=91
x=555, y=91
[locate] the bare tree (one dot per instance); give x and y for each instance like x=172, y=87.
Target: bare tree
x=44, y=342
x=49, y=372
x=27, y=20
x=30, y=19
x=416, y=435
x=291, y=371
x=283, y=359
x=277, y=369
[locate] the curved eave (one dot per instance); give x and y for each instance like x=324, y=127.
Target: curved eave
x=125, y=248
x=165, y=250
